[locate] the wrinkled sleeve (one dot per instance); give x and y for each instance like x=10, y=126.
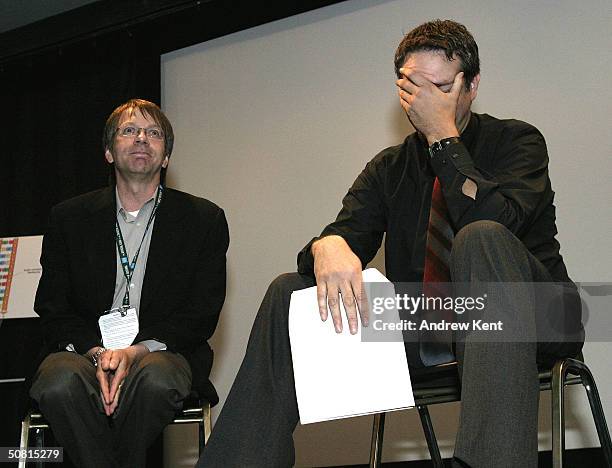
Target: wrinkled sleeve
x=511, y=194
x=188, y=326
x=60, y=323
x=361, y=221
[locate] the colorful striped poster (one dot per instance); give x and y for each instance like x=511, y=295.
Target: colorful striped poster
x=8, y=252
x=20, y=272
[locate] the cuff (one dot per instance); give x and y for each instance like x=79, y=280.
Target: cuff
x=153, y=345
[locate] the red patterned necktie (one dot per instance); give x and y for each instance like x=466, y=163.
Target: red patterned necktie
x=436, y=347
x=439, y=239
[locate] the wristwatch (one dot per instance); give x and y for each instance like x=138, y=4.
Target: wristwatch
x=95, y=356
x=438, y=146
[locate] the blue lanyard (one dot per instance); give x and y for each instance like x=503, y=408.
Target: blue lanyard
x=127, y=266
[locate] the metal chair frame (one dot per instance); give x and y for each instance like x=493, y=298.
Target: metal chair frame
x=196, y=414
x=564, y=372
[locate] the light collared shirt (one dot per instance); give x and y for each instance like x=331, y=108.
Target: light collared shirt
x=133, y=226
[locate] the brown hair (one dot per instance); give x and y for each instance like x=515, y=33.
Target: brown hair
x=444, y=35
x=148, y=109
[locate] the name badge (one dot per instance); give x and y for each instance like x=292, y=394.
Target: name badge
x=119, y=327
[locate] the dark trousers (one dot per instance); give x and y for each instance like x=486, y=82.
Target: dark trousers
x=68, y=394
x=498, y=425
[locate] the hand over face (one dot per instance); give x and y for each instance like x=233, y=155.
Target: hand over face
x=338, y=273
x=431, y=108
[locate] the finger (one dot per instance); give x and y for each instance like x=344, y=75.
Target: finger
x=107, y=360
x=457, y=84
x=103, y=381
x=104, y=359
x=334, y=306
x=109, y=382
x=116, y=400
x=105, y=406
x=414, y=77
x=350, y=307
x=115, y=360
x=362, y=300
x=405, y=100
x=116, y=383
x=322, y=299
x=115, y=403
x=407, y=85
x=403, y=103
x=406, y=97
x=113, y=406
x=121, y=372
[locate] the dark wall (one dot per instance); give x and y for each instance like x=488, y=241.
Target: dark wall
x=52, y=149
x=55, y=108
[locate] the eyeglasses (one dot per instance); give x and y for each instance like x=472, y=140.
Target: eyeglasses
x=129, y=131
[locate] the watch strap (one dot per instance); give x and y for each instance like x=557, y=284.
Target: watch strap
x=439, y=146
x=95, y=356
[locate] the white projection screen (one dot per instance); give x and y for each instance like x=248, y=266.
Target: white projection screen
x=274, y=123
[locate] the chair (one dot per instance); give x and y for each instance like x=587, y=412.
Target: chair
x=440, y=384
x=193, y=412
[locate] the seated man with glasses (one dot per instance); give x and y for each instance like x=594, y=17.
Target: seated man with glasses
x=132, y=286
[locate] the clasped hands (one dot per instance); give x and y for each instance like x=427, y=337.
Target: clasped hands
x=113, y=367
x=431, y=110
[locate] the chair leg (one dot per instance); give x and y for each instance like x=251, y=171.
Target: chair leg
x=39, y=437
x=25, y=435
x=40, y=443
x=557, y=385
x=207, y=423
x=596, y=408
x=204, y=428
x=378, y=429
x=430, y=436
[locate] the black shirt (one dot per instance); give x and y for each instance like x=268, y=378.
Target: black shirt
x=508, y=161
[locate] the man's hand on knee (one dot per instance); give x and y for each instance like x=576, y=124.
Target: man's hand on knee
x=114, y=366
x=338, y=274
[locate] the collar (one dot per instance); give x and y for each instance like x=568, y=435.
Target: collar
x=469, y=134
x=125, y=214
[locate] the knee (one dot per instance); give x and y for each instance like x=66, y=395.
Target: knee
x=480, y=231
x=286, y=283
x=476, y=236
x=161, y=377
x=275, y=304
x=59, y=377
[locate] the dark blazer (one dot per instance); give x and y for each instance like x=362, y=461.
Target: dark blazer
x=182, y=292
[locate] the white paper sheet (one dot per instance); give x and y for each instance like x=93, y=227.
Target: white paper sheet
x=338, y=375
